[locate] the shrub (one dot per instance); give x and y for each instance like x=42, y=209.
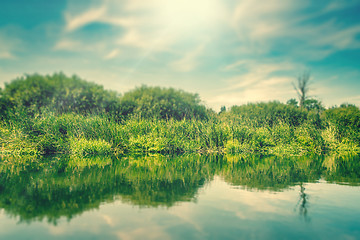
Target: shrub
x=162, y=103
x=270, y=114
x=83, y=147
x=61, y=94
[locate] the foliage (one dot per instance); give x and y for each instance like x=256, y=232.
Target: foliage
x=312, y=104
x=57, y=114
x=269, y=114
x=292, y=102
x=59, y=93
x=13, y=141
x=346, y=120
x=89, y=147
x=162, y=103
x=5, y=106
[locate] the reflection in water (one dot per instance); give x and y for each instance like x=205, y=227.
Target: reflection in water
x=271, y=173
x=68, y=187
x=303, y=203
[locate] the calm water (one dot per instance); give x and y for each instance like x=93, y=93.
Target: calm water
x=189, y=197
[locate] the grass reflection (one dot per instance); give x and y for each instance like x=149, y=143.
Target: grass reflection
x=64, y=186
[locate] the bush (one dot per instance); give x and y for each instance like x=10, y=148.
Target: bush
x=162, y=103
x=83, y=147
x=346, y=120
x=61, y=94
x=270, y=114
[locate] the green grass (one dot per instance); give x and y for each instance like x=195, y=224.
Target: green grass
x=98, y=135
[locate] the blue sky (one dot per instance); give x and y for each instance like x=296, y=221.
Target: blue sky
x=230, y=52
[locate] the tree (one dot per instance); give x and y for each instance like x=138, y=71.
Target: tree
x=292, y=102
x=222, y=109
x=163, y=103
x=313, y=104
x=302, y=87
x=59, y=93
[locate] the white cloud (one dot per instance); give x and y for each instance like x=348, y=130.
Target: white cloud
x=109, y=220
x=256, y=81
x=274, y=88
x=189, y=61
x=153, y=25
x=81, y=46
x=67, y=44
x=89, y=16
x=261, y=26
x=114, y=53
x=336, y=37
x=149, y=41
x=6, y=54
x=8, y=45
x=151, y=231
x=255, y=21
x=255, y=72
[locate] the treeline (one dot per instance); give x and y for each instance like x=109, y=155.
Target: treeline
x=34, y=94
x=60, y=114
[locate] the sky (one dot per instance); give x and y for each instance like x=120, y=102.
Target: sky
x=230, y=52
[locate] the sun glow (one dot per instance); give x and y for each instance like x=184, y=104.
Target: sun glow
x=189, y=15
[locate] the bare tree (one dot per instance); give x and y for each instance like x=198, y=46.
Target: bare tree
x=302, y=87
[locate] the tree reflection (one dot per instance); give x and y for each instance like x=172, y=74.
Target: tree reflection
x=51, y=192
x=271, y=173
x=303, y=203
x=66, y=186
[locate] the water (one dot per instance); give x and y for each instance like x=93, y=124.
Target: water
x=188, y=197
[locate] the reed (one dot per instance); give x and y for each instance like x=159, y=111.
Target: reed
x=100, y=135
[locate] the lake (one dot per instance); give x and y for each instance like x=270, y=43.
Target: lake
x=181, y=197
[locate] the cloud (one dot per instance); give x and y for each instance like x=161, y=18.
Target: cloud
x=336, y=5
x=147, y=41
x=109, y=220
x=335, y=37
x=265, y=27
x=151, y=231
x=114, y=53
x=254, y=72
x=89, y=16
x=6, y=55
x=67, y=44
x=8, y=45
x=255, y=21
x=189, y=61
x=274, y=88
x=154, y=24
x=256, y=81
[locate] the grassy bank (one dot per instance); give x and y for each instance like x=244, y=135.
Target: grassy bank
x=98, y=135
x=56, y=114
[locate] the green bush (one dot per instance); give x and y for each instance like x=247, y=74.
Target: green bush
x=13, y=141
x=61, y=94
x=346, y=120
x=270, y=114
x=84, y=147
x=162, y=103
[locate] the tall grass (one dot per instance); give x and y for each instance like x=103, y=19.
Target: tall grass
x=98, y=135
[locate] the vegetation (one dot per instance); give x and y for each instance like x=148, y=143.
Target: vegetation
x=302, y=88
x=58, y=114
x=162, y=103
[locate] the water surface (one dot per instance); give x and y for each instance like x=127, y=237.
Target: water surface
x=188, y=197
